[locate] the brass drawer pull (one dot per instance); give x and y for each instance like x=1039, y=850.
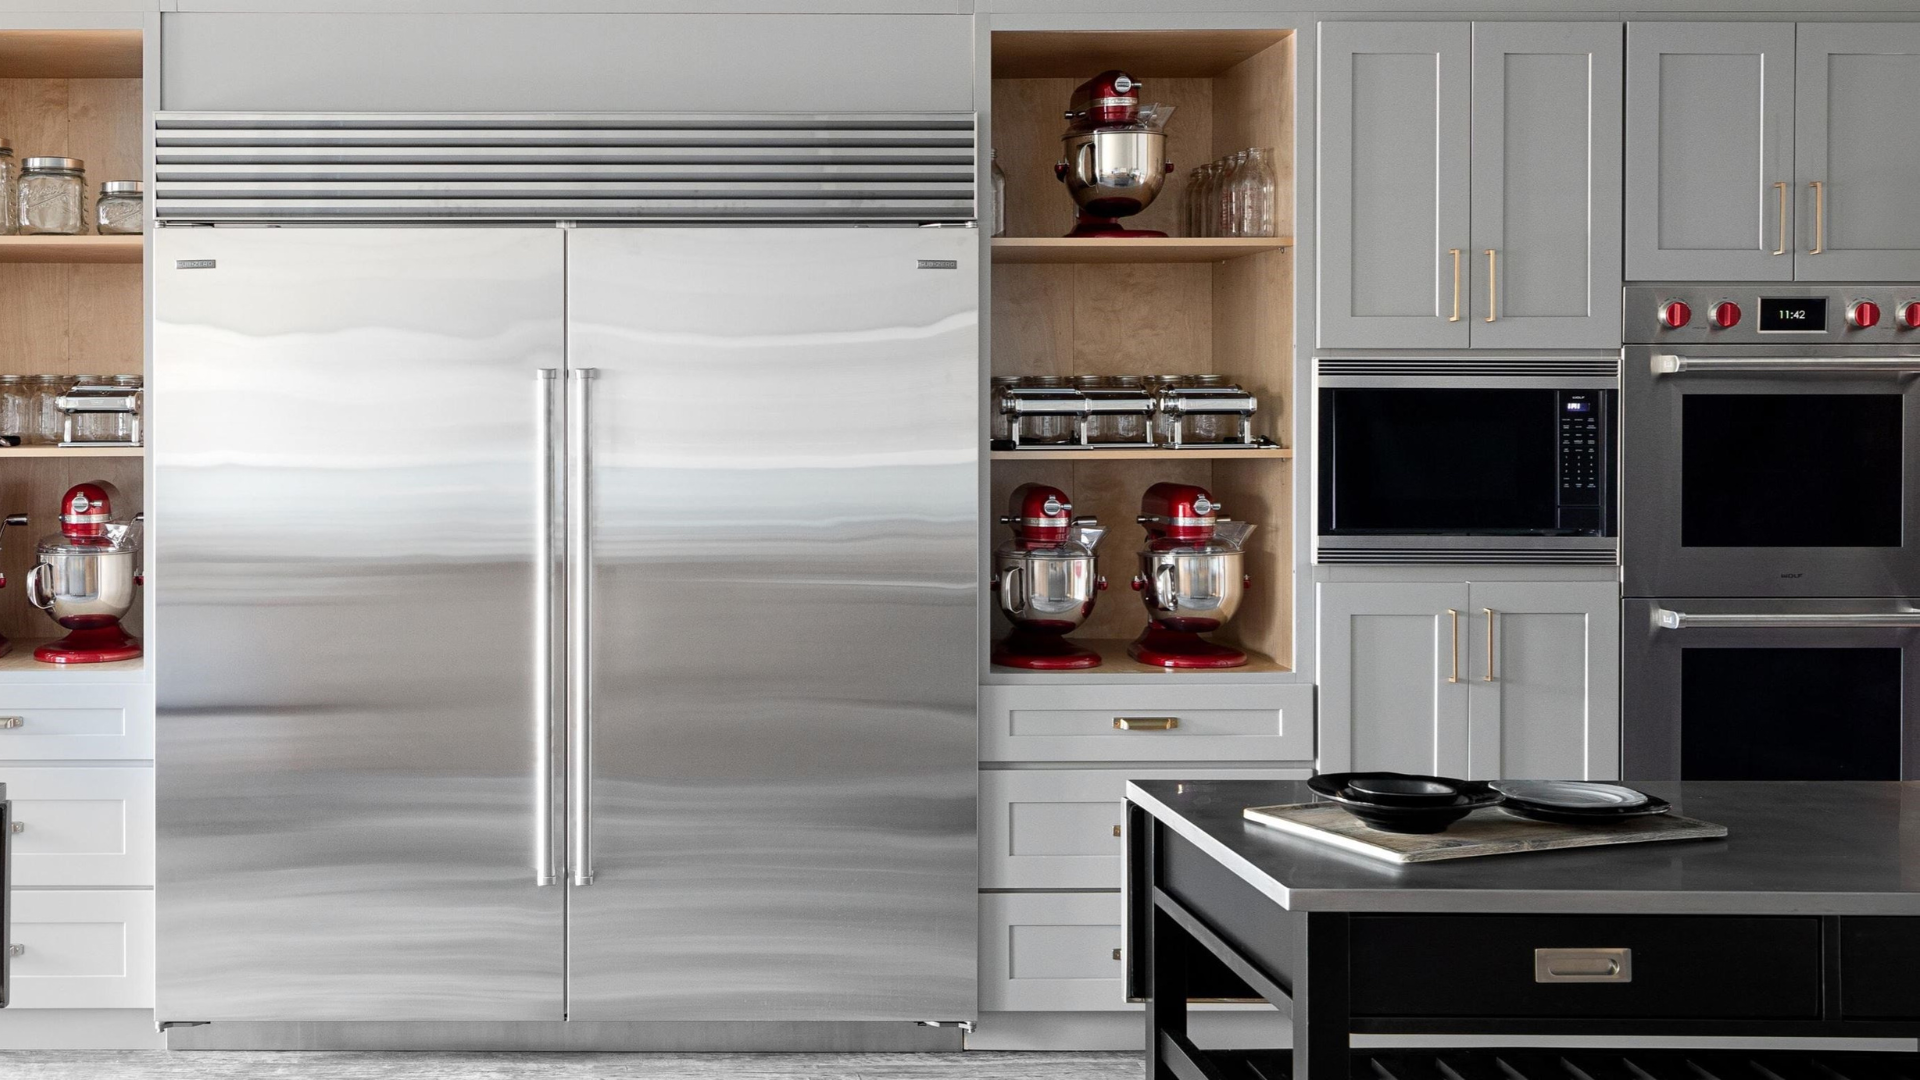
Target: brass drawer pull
x=16, y=950
x=1583, y=965
x=17, y=827
x=1116, y=830
x=1116, y=954
x=12, y=721
x=1146, y=723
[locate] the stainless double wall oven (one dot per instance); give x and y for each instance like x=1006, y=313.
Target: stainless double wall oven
x=1770, y=536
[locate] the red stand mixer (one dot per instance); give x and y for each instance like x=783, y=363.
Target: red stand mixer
x=1045, y=582
x=85, y=578
x=1192, y=578
x=1114, y=154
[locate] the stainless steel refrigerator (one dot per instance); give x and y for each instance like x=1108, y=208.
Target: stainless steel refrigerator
x=565, y=623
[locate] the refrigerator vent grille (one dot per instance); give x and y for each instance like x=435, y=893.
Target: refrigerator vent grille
x=1441, y=556
x=411, y=167
x=1521, y=367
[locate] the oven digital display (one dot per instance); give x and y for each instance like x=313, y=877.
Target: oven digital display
x=1802, y=314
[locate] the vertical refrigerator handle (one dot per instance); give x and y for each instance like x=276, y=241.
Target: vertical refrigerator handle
x=543, y=717
x=579, y=624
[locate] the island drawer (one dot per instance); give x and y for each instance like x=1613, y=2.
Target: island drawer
x=1185, y=720
x=1653, y=966
x=1880, y=968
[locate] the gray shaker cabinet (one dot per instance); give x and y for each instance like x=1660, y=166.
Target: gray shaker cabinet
x=1710, y=182
x=1545, y=271
x=1392, y=677
x=1408, y=682
x=1543, y=697
x=1856, y=89
x=1393, y=190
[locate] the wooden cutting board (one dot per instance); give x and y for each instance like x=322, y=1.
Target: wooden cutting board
x=1490, y=831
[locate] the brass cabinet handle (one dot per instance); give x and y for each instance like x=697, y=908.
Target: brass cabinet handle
x=1146, y=723
x=9, y=722
x=1493, y=285
x=1116, y=954
x=1819, y=218
x=1489, y=675
x=1455, y=252
x=1583, y=965
x=1780, y=232
x=1455, y=676
x=1116, y=830
x=17, y=827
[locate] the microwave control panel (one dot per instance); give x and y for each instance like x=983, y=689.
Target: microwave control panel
x=1582, y=448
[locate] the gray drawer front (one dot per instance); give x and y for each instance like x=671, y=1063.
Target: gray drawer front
x=1272, y=722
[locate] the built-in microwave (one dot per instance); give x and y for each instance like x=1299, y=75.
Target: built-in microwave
x=1465, y=461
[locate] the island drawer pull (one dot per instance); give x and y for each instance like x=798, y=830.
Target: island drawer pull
x=1146, y=723
x=1583, y=965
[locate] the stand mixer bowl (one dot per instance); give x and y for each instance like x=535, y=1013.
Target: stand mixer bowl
x=1050, y=589
x=1114, y=172
x=82, y=588
x=1195, y=588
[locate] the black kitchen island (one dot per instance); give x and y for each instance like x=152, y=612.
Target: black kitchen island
x=1803, y=922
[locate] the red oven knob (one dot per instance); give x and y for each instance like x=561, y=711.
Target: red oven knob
x=1675, y=314
x=1864, y=314
x=1725, y=314
x=1910, y=315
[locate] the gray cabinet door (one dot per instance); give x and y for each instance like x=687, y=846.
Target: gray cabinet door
x=1856, y=90
x=1393, y=690
x=1546, y=186
x=1393, y=184
x=1710, y=151
x=1543, y=662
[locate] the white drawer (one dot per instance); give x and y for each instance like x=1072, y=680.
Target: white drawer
x=1213, y=722
x=1050, y=952
x=98, y=722
x=83, y=949
x=81, y=826
x=1060, y=828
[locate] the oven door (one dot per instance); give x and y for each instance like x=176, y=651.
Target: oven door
x=1770, y=471
x=1719, y=689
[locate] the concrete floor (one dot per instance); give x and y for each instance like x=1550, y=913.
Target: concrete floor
x=314, y=1065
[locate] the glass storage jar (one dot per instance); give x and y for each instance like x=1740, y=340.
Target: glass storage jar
x=120, y=210
x=999, y=196
x=1210, y=427
x=9, y=211
x=1162, y=420
x=13, y=406
x=43, y=416
x=1045, y=428
x=124, y=427
x=87, y=427
x=53, y=196
x=1001, y=425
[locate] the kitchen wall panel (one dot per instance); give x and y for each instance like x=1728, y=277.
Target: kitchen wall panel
x=526, y=62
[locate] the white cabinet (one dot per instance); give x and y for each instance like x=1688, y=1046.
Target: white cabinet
x=1483, y=679
x=80, y=722
x=83, y=949
x=81, y=826
x=1211, y=721
x=1051, y=952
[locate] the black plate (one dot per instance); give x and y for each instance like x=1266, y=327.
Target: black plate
x=1400, y=789
x=1562, y=816
x=1389, y=817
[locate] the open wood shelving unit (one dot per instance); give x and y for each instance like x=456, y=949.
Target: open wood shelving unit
x=1151, y=305
x=68, y=304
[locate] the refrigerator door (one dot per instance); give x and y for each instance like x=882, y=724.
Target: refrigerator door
x=347, y=645
x=782, y=667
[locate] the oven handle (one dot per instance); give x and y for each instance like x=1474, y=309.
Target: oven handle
x=1845, y=620
x=1675, y=364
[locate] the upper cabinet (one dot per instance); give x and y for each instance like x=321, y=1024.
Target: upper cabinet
x=1470, y=185
x=1771, y=152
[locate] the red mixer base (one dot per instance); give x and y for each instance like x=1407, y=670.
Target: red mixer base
x=102, y=645
x=1091, y=226
x=1182, y=649
x=1043, y=652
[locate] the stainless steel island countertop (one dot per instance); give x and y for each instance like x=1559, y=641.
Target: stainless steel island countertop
x=1832, y=848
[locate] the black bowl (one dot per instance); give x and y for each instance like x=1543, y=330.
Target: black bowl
x=1401, y=789
x=1470, y=795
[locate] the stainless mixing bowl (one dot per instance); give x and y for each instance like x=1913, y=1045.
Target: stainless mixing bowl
x=1045, y=590
x=1114, y=172
x=1197, y=589
x=82, y=588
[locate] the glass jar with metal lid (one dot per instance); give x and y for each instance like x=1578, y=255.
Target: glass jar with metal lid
x=1045, y=426
x=126, y=425
x=43, y=422
x=52, y=196
x=1211, y=427
x=87, y=427
x=15, y=409
x=120, y=210
x=9, y=210
x=1000, y=424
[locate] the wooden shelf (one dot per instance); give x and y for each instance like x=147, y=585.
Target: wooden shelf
x=1147, y=54
x=71, y=249
x=1208, y=453
x=71, y=451
x=20, y=666
x=1115, y=661
x=70, y=54
x=1132, y=249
